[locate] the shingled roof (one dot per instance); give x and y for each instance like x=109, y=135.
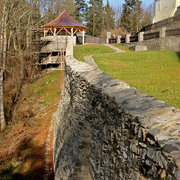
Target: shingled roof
x=64, y=20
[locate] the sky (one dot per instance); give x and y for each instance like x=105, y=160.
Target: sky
x=117, y=3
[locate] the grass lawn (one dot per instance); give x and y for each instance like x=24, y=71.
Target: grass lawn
x=156, y=73
x=90, y=49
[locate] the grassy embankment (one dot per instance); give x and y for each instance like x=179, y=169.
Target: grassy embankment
x=156, y=73
x=91, y=49
x=22, y=144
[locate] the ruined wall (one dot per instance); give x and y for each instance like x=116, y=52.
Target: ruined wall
x=107, y=130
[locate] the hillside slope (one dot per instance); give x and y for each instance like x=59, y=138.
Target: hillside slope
x=22, y=144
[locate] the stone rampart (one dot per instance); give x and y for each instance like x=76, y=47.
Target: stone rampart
x=106, y=130
x=170, y=23
x=166, y=43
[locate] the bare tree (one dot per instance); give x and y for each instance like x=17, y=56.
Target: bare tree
x=17, y=18
x=3, y=55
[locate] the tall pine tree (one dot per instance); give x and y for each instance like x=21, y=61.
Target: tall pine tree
x=80, y=10
x=94, y=17
x=109, y=22
x=131, y=15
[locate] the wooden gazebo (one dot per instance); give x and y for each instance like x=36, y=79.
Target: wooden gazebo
x=63, y=23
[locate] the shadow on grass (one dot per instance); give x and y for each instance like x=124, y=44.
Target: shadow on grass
x=178, y=54
x=35, y=156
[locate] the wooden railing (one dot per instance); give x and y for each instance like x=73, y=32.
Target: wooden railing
x=153, y=35
x=134, y=38
x=173, y=32
x=112, y=40
x=123, y=40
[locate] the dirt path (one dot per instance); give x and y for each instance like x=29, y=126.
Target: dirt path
x=49, y=171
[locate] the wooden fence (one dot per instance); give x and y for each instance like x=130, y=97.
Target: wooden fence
x=153, y=35
x=163, y=23
x=146, y=36
x=134, y=38
x=112, y=40
x=91, y=39
x=173, y=32
x=123, y=40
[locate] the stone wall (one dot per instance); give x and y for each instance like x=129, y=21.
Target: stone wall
x=56, y=43
x=170, y=23
x=166, y=43
x=106, y=130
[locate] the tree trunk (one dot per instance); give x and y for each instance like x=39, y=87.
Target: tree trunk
x=28, y=33
x=3, y=61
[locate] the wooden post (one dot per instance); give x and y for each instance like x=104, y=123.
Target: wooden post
x=128, y=38
x=118, y=41
x=162, y=32
x=71, y=31
x=54, y=31
x=141, y=37
x=83, y=37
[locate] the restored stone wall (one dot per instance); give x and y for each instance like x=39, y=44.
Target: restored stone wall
x=106, y=130
x=170, y=23
x=166, y=43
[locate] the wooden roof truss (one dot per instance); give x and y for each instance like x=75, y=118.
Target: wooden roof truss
x=56, y=31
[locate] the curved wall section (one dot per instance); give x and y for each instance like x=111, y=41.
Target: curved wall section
x=108, y=130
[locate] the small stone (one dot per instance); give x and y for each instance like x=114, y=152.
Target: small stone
x=144, y=154
x=150, y=153
x=143, y=145
x=149, y=162
x=135, y=129
x=163, y=174
x=139, y=133
x=170, y=148
x=143, y=135
x=159, y=172
x=149, y=141
x=124, y=155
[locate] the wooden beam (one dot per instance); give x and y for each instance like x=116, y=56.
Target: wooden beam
x=83, y=37
x=59, y=31
x=75, y=31
x=54, y=31
x=67, y=31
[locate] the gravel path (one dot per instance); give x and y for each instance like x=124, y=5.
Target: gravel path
x=115, y=48
x=90, y=60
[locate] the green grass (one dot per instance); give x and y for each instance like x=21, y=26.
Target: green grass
x=44, y=87
x=90, y=49
x=155, y=73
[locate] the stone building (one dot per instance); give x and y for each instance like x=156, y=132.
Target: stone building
x=164, y=9
x=59, y=39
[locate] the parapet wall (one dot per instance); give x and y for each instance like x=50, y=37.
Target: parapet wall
x=108, y=130
x=166, y=43
x=170, y=23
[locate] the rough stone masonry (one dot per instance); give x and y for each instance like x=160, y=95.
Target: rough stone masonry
x=106, y=130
